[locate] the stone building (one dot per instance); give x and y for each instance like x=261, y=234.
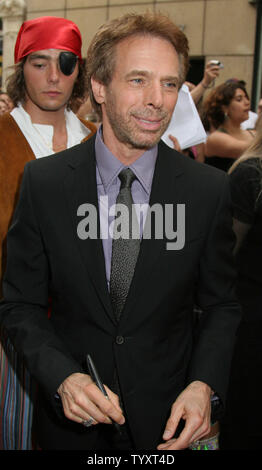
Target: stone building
x=216, y=29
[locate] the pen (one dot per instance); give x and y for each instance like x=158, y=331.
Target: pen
x=93, y=373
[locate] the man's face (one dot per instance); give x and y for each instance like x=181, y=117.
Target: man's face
x=47, y=88
x=138, y=103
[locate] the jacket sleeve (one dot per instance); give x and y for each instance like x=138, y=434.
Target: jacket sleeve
x=24, y=310
x=216, y=297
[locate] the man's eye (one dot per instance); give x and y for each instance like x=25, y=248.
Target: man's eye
x=170, y=85
x=137, y=81
x=39, y=66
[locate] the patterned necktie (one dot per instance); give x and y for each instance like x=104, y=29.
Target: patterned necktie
x=125, y=248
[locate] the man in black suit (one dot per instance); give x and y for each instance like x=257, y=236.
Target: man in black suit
x=127, y=301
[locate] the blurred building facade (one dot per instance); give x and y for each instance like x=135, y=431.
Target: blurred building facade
x=216, y=29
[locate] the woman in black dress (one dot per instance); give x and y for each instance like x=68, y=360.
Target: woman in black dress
x=242, y=425
x=226, y=107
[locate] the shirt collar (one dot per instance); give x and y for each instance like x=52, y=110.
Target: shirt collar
x=76, y=130
x=109, y=166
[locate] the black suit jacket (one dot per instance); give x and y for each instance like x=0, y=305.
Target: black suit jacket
x=157, y=347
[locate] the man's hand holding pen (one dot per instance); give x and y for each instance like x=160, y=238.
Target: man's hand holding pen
x=82, y=400
x=88, y=401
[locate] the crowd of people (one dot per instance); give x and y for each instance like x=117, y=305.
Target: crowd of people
x=57, y=102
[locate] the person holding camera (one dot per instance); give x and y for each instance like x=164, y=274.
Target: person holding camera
x=211, y=72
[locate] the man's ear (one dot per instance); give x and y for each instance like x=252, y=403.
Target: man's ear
x=98, y=91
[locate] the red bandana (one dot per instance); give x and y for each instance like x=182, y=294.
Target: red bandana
x=47, y=32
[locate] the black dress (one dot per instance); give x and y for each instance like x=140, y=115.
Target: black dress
x=242, y=426
x=223, y=163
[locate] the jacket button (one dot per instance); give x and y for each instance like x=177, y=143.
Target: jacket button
x=120, y=340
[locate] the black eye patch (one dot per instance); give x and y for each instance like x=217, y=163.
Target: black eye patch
x=67, y=62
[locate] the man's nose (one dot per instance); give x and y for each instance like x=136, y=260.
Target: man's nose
x=53, y=72
x=154, y=95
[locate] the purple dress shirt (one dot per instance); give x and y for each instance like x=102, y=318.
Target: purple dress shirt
x=108, y=168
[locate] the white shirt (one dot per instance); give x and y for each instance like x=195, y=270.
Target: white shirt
x=40, y=136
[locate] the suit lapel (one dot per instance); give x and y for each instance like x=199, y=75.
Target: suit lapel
x=81, y=188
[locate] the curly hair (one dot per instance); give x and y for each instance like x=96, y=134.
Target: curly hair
x=219, y=97
x=16, y=85
x=101, y=52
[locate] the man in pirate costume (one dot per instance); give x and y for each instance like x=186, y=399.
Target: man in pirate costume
x=48, y=81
